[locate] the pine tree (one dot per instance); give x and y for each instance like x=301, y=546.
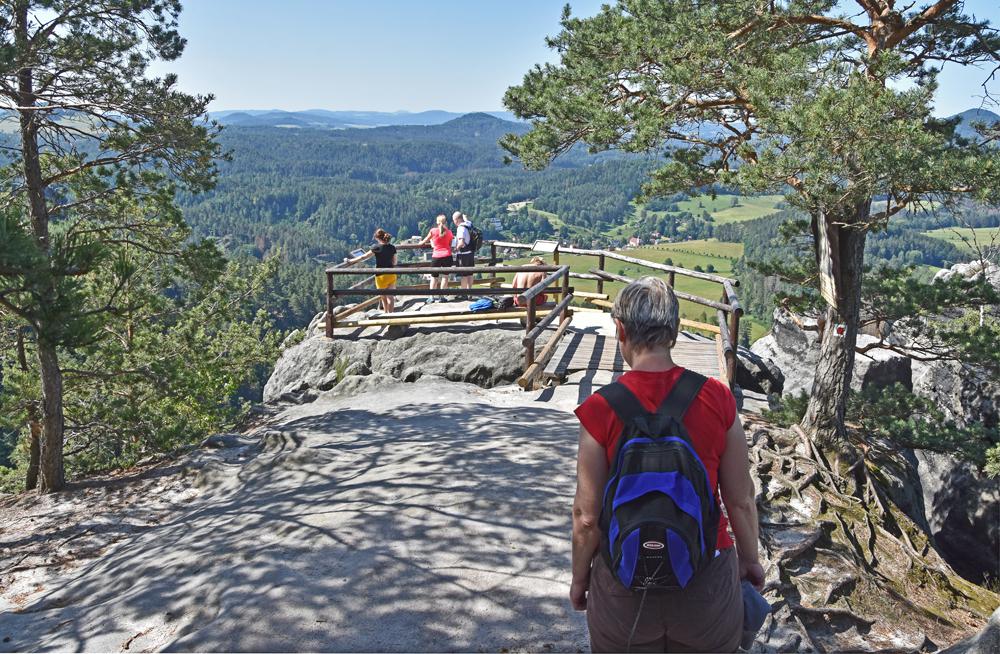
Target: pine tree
x=102, y=150
x=830, y=107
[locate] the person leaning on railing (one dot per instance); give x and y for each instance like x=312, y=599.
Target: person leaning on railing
x=385, y=257
x=706, y=615
x=440, y=238
x=465, y=257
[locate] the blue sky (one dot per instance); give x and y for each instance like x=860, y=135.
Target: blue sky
x=411, y=55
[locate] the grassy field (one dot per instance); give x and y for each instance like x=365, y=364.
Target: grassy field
x=965, y=238
x=720, y=208
x=723, y=212
x=688, y=253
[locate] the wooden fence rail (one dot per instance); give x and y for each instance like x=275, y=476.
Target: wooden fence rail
x=728, y=308
x=558, y=275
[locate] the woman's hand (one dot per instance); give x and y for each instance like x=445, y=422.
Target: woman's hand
x=578, y=595
x=752, y=572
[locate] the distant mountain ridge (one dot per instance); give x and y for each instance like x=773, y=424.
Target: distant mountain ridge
x=970, y=116
x=326, y=119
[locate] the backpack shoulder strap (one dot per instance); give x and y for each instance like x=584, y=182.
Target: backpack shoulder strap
x=682, y=394
x=622, y=401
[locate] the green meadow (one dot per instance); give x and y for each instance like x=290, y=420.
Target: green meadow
x=721, y=209
x=968, y=238
x=686, y=254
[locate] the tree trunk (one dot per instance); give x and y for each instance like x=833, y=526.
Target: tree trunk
x=34, y=424
x=832, y=383
x=51, y=454
x=34, y=450
x=50, y=450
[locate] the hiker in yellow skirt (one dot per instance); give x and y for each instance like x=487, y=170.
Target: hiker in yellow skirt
x=385, y=257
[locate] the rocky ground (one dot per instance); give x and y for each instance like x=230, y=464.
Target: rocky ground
x=399, y=508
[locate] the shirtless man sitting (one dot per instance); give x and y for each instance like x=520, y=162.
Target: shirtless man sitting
x=529, y=279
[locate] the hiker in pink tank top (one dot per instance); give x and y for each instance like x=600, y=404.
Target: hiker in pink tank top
x=440, y=238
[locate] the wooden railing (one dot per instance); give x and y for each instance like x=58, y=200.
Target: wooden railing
x=727, y=309
x=535, y=319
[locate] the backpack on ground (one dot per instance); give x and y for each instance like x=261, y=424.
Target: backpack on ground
x=660, y=518
x=475, y=238
x=483, y=304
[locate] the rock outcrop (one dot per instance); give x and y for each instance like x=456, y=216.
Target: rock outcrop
x=485, y=357
x=946, y=496
x=757, y=374
x=986, y=641
x=971, y=271
x=965, y=393
x=794, y=349
x=962, y=509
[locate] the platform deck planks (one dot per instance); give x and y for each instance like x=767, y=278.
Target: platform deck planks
x=581, y=351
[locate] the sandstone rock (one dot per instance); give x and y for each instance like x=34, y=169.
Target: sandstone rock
x=485, y=357
x=317, y=325
x=792, y=350
x=293, y=337
x=965, y=393
x=795, y=352
x=757, y=374
x=878, y=368
x=310, y=364
x=962, y=509
x=971, y=271
x=986, y=641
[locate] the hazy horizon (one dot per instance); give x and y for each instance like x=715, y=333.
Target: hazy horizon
x=398, y=56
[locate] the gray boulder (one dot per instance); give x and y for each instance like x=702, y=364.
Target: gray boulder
x=794, y=351
x=313, y=365
x=986, y=641
x=485, y=357
x=971, y=271
x=965, y=393
x=757, y=374
x=962, y=509
x=879, y=368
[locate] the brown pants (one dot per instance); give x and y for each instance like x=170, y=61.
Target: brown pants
x=707, y=616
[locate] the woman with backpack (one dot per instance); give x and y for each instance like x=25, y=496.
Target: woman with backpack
x=440, y=238
x=385, y=257
x=654, y=565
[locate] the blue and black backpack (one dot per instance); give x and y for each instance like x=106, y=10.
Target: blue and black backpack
x=660, y=518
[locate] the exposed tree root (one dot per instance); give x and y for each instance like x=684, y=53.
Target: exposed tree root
x=852, y=570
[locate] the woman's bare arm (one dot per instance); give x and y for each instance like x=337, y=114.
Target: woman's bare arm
x=591, y=475
x=741, y=505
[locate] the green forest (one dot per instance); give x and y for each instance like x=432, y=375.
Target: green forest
x=309, y=196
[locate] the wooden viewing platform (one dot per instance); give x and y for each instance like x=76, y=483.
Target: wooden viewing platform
x=568, y=349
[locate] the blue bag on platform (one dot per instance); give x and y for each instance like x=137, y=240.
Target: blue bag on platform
x=484, y=304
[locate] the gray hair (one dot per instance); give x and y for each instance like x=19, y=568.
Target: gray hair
x=649, y=312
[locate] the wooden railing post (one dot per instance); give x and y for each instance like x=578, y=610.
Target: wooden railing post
x=329, y=305
x=529, y=324
x=729, y=296
x=493, y=254
x=565, y=292
x=600, y=266
x=671, y=278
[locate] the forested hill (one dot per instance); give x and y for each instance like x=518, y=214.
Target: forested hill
x=314, y=194
x=325, y=119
